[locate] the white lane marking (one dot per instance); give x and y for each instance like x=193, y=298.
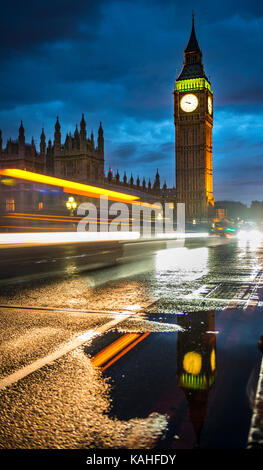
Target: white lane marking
x=253, y=300
x=70, y=310
x=61, y=351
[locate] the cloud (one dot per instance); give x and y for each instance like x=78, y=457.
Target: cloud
x=26, y=25
x=116, y=61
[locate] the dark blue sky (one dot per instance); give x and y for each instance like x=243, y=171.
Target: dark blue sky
x=116, y=61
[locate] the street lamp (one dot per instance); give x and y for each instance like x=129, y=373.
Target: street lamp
x=71, y=205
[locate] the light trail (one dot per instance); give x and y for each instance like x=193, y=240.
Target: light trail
x=72, y=187
x=61, y=219
x=68, y=186
x=111, y=350
x=52, y=217
x=65, y=237
x=122, y=353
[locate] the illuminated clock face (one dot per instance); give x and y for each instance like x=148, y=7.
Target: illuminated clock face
x=189, y=103
x=210, y=105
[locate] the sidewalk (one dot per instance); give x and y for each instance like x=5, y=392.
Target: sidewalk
x=255, y=437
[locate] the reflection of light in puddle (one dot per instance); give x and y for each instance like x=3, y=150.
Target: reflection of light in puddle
x=133, y=307
x=191, y=263
x=250, y=240
x=71, y=269
x=87, y=335
x=120, y=272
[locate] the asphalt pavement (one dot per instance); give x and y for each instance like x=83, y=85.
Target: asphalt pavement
x=157, y=352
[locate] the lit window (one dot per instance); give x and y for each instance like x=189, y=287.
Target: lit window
x=10, y=205
x=40, y=206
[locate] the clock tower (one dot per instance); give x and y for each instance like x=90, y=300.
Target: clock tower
x=193, y=118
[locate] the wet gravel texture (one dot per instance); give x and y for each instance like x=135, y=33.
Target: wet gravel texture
x=65, y=405
x=28, y=334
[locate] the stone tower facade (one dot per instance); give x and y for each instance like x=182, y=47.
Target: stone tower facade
x=22, y=155
x=79, y=158
x=193, y=118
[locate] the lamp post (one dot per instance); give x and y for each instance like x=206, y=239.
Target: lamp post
x=71, y=205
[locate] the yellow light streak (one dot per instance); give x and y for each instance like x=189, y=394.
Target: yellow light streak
x=62, y=217
x=110, y=351
x=122, y=353
x=11, y=214
x=67, y=186
x=19, y=227
x=53, y=219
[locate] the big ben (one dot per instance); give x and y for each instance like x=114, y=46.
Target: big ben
x=193, y=118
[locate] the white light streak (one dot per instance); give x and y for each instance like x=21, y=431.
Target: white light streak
x=65, y=237
x=176, y=235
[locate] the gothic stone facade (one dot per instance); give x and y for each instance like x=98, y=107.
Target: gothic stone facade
x=21, y=155
x=78, y=159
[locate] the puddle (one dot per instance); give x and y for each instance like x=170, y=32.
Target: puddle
x=192, y=368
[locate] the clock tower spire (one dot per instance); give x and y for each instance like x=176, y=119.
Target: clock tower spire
x=193, y=118
x=193, y=61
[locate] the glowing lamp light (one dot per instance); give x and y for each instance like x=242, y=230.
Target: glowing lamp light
x=8, y=181
x=71, y=204
x=193, y=84
x=213, y=360
x=192, y=363
x=194, y=382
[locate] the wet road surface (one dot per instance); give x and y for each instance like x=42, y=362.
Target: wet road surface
x=160, y=352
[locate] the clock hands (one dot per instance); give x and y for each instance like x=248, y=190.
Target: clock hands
x=189, y=103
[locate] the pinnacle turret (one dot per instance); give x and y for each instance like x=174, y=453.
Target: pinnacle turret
x=42, y=143
x=76, y=133
x=57, y=137
x=83, y=132
x=156, y=184
x=57, y=125
x=21, y=137
x=100, y=139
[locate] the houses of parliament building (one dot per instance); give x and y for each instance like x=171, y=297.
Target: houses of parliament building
x=78, y=159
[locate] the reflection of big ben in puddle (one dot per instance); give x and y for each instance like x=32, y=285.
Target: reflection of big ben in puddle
x=196, y=363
